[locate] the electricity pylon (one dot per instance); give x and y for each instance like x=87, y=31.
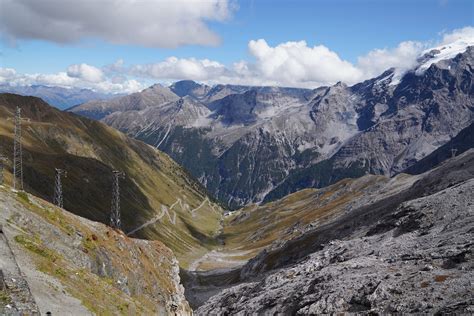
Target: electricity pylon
x=453, y=152
x=115, y=210
x=58, y=187
x=17, y=153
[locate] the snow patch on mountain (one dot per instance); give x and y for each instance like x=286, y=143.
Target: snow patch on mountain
x=437, y=54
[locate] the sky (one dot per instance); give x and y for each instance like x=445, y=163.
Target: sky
x=126, y=45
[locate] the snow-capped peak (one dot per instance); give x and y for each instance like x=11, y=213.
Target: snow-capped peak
x=443, y=52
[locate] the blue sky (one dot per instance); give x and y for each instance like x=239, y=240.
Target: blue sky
x=350, y=29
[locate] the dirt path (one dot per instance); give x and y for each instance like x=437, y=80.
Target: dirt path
x=47, y=293
x=22, y=302
x=166, y=211
x=219, y=259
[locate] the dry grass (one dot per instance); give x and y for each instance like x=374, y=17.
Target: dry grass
x=100, y=294
x=441, y=278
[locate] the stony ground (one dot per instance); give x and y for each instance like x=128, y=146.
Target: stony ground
x=15, y=293
x=74, y=266
x=416, y=260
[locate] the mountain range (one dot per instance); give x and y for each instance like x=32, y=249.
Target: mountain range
x=257, y=144
x=62, y=98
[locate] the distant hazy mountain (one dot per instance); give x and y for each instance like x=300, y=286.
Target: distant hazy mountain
x=99, y=109
x=62, y=98
x=252, y=144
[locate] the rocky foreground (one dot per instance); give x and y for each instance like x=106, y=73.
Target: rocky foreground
x=415, y=259
x=54, y=261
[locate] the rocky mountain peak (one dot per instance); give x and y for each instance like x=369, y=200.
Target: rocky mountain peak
x=443, y=52
x=189, y=88
x=236, y=108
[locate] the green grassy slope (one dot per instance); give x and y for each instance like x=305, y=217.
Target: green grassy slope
x=89, y=151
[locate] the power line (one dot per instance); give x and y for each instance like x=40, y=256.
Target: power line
x=17, y=153
x=115, y=221
x=58, y=187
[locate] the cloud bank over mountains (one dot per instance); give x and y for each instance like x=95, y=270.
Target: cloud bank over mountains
x=294, y=64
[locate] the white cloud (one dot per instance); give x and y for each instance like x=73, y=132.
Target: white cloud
x=7, y=73
x=287, y=64
x=78, y=79
x=297, y=63
x=58, y=79
x=85, y=72
x=465, y=33
x=181, y=68
x=291, y=64
x=402, y=57
x=150, y=23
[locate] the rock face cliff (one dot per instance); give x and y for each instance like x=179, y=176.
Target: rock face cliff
x=253, y=144
x=406, y=251
x=75, y=266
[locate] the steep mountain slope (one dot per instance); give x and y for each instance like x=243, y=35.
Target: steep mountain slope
x=74, y=266
x=424, y=111
x=59, y=97
x=205, y=135
x=418, y=266
x=462, y=142
x=401, y=242
x=370, y=212
x=253, y=144
x=159, y=199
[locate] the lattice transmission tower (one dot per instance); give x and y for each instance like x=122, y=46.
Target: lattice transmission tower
x=17, y=153
x=58, y=187
x=453, y=152
x=115, y=210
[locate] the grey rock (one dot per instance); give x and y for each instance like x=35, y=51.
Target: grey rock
x=365, y=284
